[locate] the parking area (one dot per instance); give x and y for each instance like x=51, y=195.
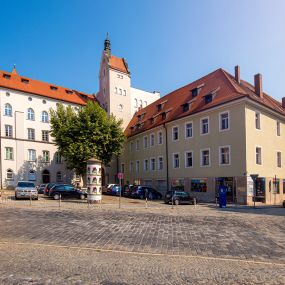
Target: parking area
x=73, y=243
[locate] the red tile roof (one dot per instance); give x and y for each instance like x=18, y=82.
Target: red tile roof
x=118, y=64
x=223, y=87
x=24, y=84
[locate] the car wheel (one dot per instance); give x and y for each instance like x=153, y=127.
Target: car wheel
x=176, y=202
x=82, y=197
x=56, y=197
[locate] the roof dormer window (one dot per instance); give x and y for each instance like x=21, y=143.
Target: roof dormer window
x=6, y=76
x=141, y=116
x=160, y=105
x=195, y=91
x=53, y=87
x=208, y=98
x=26, y=81
x=185, y=107
x=68, y=91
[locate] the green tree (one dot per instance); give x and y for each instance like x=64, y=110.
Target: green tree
x=86, y=133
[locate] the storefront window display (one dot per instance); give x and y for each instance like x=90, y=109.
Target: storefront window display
x=260, y=189
x=199, y=185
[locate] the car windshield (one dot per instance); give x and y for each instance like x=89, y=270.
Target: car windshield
x=26, y=184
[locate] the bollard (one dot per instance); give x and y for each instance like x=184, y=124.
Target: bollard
x=172, y=202
x=146, y=202
x=59, y=201
x=30, y=200
x=216, y=202
x=195, y=203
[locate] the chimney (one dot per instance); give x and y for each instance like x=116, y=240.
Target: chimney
x=283, y=102
x=258, y=85
x=237, y=73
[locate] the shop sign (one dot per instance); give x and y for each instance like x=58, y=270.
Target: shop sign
x=249, y=186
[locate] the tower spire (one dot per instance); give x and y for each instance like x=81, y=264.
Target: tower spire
x=14, y=71
x=107, y=45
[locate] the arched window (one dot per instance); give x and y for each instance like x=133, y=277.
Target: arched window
x=31, y=114
x=9, y=174
x=32, y=175
x=59, y=176
x=44, y=117
x=8, y=110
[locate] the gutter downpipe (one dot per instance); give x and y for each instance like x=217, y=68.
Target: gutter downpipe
x=166, y=151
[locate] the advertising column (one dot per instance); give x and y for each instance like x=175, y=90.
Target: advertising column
x=94, y=183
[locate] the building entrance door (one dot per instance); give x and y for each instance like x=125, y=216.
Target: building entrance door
x=46, y=176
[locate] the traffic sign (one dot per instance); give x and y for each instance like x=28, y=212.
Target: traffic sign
x=121, y=175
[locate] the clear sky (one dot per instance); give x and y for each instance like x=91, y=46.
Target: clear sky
x=167, y=43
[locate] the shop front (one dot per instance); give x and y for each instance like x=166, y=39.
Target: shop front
x=199, y=185
x=231, y=191
x=260, y=187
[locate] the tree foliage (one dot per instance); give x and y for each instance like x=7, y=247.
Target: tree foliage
x=86, y=133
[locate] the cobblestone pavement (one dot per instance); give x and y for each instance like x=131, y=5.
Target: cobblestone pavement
x=141, y=246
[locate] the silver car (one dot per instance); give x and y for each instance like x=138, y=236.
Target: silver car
x=26, y=189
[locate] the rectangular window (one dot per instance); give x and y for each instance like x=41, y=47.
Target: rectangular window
x=205, y=126
x=278, y=128
x=189, y=130
x=205, y=157
x=258, y=155
x=257, y=120
x=152, y=140
x=145, y=165
x=152, y=164
x=175, y=135
x=31, y=134
x=58, y=158
x=145, y=144
x=159, y=138
x=46, y=156
x=224, y=121
x=225, y=155
x=160, y=163
x=279, y=162
x=131, y=166
x=137, y=144
x=176, y=160
x=131, y=147
x=9, y=153
x=8, y=131
x=188, y=159
x=31, y=155
x=45, y=136
x=137, y=166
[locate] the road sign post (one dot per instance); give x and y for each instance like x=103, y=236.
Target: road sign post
x=254, y=177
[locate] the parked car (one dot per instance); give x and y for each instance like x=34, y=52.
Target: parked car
x=26, y=189
x=66, y=191
x=48, y=187
x=115, y=190
x=142, y=192
x=108, y=189
x=41, y=188
x=127, y=190
x=178, y=197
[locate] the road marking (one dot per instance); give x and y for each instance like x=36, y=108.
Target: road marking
x=141, y=253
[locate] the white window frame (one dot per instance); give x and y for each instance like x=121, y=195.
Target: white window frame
x=173, y=160
x=145, y=142
x=32, y=157
x=201, y=126
x=8, y=110
x=58, y=158
x=175, y=140
x=259, y=118
x=44, y=117
x=185, y=158
x=145, y=165
x=8, y=131
x=11, y=153
x=158, y=138
x=30, y=114
x=34, y=134
x=46, y=158
x=277, y=152
x=151, y=165
x=137, y=166
x=257, y=146
x=45, y=136
x=201, y=157
x=150, y=140
x=278, y=128
x=220, y=121
x=220, y=155
x=190, y=122
x=158, y=163
x=10, y=171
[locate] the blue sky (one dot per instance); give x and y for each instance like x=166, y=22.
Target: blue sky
x=166, y=43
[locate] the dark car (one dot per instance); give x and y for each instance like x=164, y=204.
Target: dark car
x=48, y=187
x=284, y=203
x=66, y=191
x=142, y=192
x=41, y=188
x=178, y=197
x=115, y=190
x=127, y=190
